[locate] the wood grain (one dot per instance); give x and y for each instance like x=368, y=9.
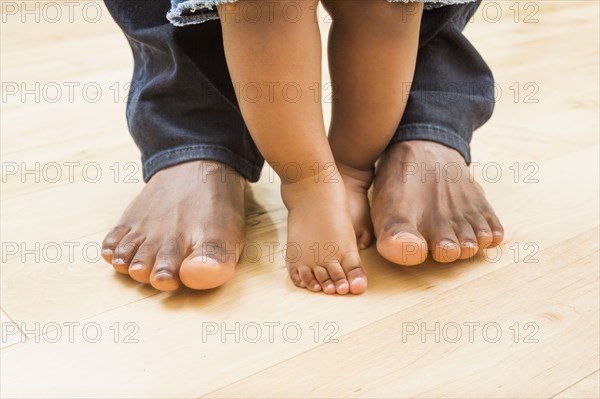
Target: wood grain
x=160, y=345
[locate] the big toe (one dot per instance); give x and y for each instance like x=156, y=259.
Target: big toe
x=202, y=272
x=352, y=266
x=402, y=244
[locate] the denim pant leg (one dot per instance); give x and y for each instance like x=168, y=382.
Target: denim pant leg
x=453, y=89
x=182, y=105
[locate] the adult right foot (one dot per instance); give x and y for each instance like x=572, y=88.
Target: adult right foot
x=186, y=226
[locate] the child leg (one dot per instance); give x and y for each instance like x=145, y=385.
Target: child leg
x=278, y=53
x=372, y=54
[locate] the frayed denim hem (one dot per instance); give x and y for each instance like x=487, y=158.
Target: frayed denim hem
x=431, y=4
x=190, y=12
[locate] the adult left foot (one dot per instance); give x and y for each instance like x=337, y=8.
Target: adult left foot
x=418, y=209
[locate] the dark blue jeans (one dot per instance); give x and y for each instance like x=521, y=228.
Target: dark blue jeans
x=182, y=105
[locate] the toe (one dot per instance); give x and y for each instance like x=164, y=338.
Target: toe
x=125, y=252
x=401, y=243
x=110, y=242
x=210, y=266
x=324, y=280
x=143, y=261
x=163, y=276
x=308, y=278
x=442, y=241
x=364, y=238
x=482, y=230
x=352, y=267
x=339, y=277
x=165, y=273
x=497, y=229
x=466, y=239
x=295, y=277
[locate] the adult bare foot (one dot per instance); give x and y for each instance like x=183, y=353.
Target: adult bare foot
x=417, y=208
x=186, y=226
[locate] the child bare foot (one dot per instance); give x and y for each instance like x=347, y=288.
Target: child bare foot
x=357, y=184
x=321, y=249
x=186, y=226
x=321, y=252
x=368, y=36
x=415, y=211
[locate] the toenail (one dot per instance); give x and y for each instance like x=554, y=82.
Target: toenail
x=163, y=275
x=469, y=244
x=206, y=260
x=107, y=252
x=395, y=236
x=118, y=261
x=448, y=245
x=136, y=267
x=484, y=233
x=401, y=234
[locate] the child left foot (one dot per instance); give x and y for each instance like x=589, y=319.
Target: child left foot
x=357, y=184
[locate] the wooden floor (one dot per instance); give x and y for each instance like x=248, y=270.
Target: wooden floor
x=521, y=322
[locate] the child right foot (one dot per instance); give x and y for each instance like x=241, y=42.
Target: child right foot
x=321, y=252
